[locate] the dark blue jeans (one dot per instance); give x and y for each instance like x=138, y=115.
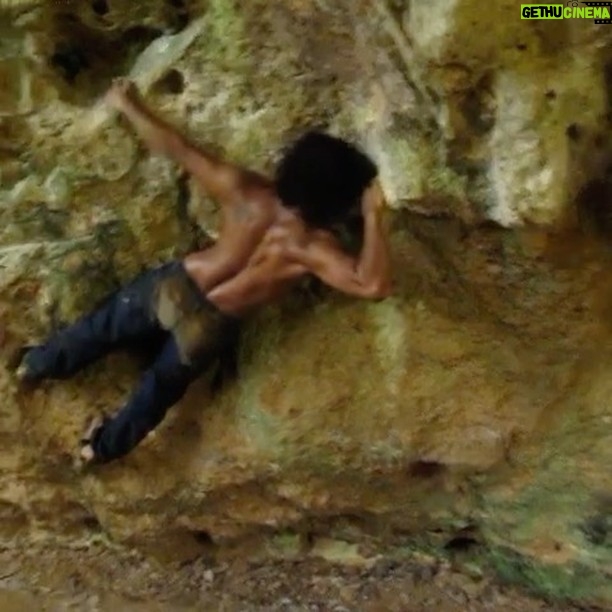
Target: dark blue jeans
x=127, y=319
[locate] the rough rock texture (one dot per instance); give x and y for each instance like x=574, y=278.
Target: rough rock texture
x=470, y=412
x=63, y=579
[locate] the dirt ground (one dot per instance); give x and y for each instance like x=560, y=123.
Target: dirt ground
x=102, y=579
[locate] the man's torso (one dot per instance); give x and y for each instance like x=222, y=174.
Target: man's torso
x=249, y=264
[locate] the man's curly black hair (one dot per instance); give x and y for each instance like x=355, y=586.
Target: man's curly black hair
x=323, y=177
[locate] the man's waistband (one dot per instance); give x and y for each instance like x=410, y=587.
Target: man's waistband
x=180, y=307
x=176, y=281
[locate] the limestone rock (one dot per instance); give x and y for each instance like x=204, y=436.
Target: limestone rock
x=470, y=408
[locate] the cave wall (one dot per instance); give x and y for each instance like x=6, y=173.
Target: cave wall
x=472, y=407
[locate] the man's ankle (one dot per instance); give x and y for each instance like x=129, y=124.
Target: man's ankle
x=17, y=363
x=87, y=456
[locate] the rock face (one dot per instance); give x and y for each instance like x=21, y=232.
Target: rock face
x=470, y=412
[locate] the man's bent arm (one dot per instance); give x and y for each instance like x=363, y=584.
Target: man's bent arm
x=219, y=179
x=367, y=276
x=374, y=266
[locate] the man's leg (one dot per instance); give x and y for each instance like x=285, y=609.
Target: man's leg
x=162, y=386
x=119, y=320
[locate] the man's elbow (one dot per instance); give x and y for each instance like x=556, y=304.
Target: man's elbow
x=380, y=290
x=176, y=147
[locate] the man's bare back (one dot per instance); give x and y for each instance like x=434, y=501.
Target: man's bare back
x=264, y=246
x=250, y=263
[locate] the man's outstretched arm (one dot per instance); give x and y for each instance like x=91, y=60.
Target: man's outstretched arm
x=219, y=179
x=367, y=276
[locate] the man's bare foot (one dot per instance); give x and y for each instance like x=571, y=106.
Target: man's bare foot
x=15, y=358
x=87, y=455
x=17, y=364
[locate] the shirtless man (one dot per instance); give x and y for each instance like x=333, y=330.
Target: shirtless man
x=273, y=233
